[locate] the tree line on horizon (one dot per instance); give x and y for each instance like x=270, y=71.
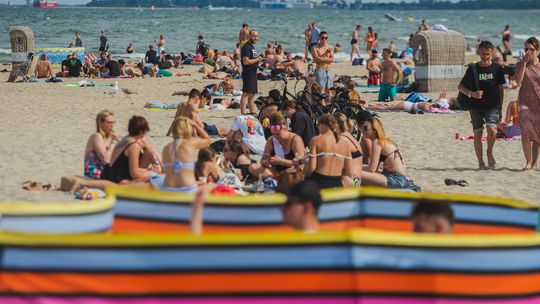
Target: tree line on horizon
x=426, y=4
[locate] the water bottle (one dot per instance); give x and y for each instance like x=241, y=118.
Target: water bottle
x=260, y=185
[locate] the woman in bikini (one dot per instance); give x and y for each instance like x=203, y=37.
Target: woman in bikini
x=100, y=145
x=236, y=156
x=370, y=39
x=330, y=156
x=281, y=148
x=179, y=157
x=512, y=117
x=506, y=36
x=355, y=148
x=132, y=162
x=385, y=151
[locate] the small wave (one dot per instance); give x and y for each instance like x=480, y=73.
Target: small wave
x=5, y=51
x=403, y=38
x=474, y=37
x=522, y=37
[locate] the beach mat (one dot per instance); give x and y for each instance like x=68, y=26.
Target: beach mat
x=484, y=138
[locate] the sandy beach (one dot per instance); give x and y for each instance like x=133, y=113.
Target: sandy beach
x=44, y=128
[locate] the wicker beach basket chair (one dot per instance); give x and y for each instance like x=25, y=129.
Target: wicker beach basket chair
x=22, y=44
x=439, y=59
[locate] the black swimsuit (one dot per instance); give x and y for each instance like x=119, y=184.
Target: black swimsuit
x=288, y=156
x=356, y=154
x=119, y=170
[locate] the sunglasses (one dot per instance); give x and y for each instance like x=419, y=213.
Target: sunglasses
x=529, y=49
x=110, y=122
x=277, y=127
x=324, y=38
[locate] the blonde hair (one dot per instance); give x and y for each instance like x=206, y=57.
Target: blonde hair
x=100, y=118
x=377, y=126
x=343, y=122
x=182, y=128
x=331, y=121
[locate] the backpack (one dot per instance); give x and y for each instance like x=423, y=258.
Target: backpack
x=203, y=49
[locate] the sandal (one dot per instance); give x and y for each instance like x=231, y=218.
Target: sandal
x=453, y=182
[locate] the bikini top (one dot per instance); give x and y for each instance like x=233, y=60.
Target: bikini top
x=331, y=154
x=356, y=154
x=177, y=164
x=395, y=152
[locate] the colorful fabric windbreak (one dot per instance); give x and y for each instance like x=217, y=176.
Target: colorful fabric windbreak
x=154, y=211
x=356, y=266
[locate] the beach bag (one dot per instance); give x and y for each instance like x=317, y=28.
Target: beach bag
x=357, y=61
x=463, y=100
x=290, y=177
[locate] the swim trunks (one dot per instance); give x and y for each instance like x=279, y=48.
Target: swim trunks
x=324, y=78
x=354, y=41
x=387, y=91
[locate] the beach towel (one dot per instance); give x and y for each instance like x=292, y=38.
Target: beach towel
x=122, y=76
x=416, y=97
x=77, y=85
x=484, y=138
x=440, y=111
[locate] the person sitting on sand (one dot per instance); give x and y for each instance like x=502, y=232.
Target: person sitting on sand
x=280, y=150
x=100, y=145
x=330, y=156
x=350, y=94
x=44, y=67
x=296, y=65
x=112, y=68
x=385, y=151
x=179, y=157
x=206, y=169
x=432, y=217
x=249, y=131
x=345, y=125
x=512, y=117
x=373, y=66
x=132, y=161
x=237, y=156
x=301, y=123
x=189, y=109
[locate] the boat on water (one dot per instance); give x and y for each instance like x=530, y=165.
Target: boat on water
x=391, y=17
x=286, y=4
x=44, y=4
x=219, y=8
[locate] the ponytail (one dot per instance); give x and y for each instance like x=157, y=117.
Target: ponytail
x=331, y=122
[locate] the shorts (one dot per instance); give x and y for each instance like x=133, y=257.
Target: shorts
x=326, y=181
x=311, y=46
x=387, y=91
x=354, y=41
x=373, y=80
x=164, y=73
x=395, y=179
x=249, y=83
x=489, y=116
x=324, y=78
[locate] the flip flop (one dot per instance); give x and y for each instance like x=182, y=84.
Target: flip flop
x=462, y=183
x=453, y=182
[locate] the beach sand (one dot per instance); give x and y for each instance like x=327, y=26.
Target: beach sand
x=44, y=128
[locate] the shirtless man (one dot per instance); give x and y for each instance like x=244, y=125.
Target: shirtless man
x=389, y=69
x=243, y=36
x=354, y=42
x=298, y=64
x=323, y=55
x=44, y=67
x=374, y=68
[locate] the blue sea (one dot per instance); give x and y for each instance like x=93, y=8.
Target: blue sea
x=57, y=27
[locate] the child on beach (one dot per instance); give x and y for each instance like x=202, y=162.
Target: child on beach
x=206, y=170
x=485, y=100
x=391, y=75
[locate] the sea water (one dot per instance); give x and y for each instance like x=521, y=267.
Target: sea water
x=57, y=27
